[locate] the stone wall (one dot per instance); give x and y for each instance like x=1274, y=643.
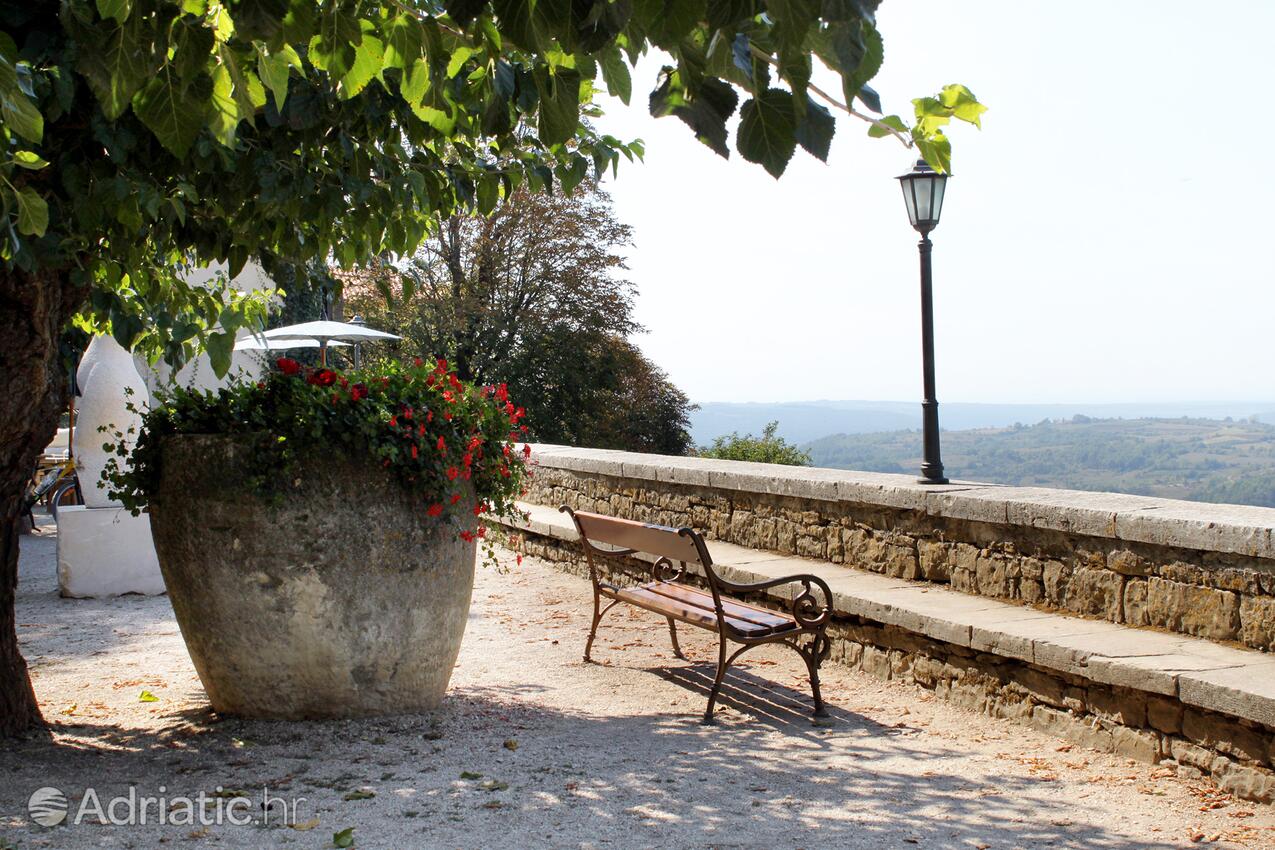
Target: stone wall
x=1197, y=569
x=1238, y=754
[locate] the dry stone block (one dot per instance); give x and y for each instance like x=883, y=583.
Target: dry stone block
x=1250, y=783
x=1192, y=610
x=1257, y=621
x=1224, y=735
x=1095, y=592
x=1136, y=744
x=1164, y=715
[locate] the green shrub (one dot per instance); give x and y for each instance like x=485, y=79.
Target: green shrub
x=768, y=448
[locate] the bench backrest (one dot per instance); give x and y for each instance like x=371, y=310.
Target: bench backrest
x=677, y=544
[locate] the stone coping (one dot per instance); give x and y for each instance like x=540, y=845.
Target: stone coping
x=1236, y=682
x=1238, y=529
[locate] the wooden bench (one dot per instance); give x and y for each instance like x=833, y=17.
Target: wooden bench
x=803, y=627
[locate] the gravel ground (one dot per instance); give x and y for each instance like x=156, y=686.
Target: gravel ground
x=534, y=748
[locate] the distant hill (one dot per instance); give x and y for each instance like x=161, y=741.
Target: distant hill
x=1207, y=460
x=803, y=421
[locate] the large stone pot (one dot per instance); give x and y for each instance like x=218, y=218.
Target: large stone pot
x=340, y=599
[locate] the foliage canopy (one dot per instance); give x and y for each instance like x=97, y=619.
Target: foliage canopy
x=148, y=134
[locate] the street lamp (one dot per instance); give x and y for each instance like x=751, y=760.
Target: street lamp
x=358, y=355
x=923, y=189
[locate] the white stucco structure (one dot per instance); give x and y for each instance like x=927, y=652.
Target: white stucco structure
x=108, y=381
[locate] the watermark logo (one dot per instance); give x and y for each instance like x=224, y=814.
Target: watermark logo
x=50, y=807
x=47, y=806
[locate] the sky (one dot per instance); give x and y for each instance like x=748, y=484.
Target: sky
x=1105, y=237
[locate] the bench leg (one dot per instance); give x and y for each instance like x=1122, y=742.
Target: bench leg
x=814, y=655
x=717, y=681
x=593, y=630
x=672, y=633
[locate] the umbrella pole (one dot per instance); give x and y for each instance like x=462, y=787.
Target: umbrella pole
x=323, y=352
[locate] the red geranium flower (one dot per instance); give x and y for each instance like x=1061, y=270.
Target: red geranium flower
x=413, y=451
x=452, y=473
x=455, y=498
x=358, y=392
x=442, y=444
x=435, y=509
x=322, y=377
x=288, y=366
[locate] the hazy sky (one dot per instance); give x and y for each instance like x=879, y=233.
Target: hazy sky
x=1106, y=236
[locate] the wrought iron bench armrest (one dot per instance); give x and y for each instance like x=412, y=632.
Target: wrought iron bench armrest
x=806, y=609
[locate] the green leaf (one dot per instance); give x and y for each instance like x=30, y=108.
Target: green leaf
x=33, y=212
x=459, y=57
x=937, y=151
x=119, y=66
x=344, y=838
x=168, y=110
x=704, y=110
x=815, y=130
x=19, y=114
x=615, y=72
x=964, y=106
x=29, y=160
x=223, y=112
x=147, y=696
x=403, y=42
x=559, y=104
x=369, y=55
x=669, y=21
x=273, y=69
x=358, y=795
x=220, y=347
x=415, y=83
x=518, y=22
x=876, y=131
x=767, y=130
x=114, y=9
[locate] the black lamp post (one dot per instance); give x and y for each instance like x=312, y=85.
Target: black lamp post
x=358, y=321
x=923, y=193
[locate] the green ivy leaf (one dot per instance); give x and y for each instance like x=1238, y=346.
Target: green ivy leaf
x=767, y=131
x=344, y=838
x=33, y=212
x=114, y=9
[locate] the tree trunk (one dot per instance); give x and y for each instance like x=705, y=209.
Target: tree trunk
x=33, y=392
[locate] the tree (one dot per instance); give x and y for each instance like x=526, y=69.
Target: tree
x=529, y=296
x=146, y=135
x=768, y=448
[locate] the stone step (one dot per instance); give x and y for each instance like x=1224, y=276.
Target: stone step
x=1229, y=680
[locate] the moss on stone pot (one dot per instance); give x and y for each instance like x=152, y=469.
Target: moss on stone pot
x=339, y=597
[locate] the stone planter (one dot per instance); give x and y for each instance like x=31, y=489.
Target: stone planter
x=340, y=599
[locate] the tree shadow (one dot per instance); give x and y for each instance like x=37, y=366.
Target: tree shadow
x=764, y=776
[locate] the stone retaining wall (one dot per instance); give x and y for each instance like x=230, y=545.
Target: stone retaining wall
x=1238, y=754
x=1197, y=569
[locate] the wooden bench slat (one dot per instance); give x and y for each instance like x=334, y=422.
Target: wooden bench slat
x=739, y=610
x=627, y=534
x=646, y=598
